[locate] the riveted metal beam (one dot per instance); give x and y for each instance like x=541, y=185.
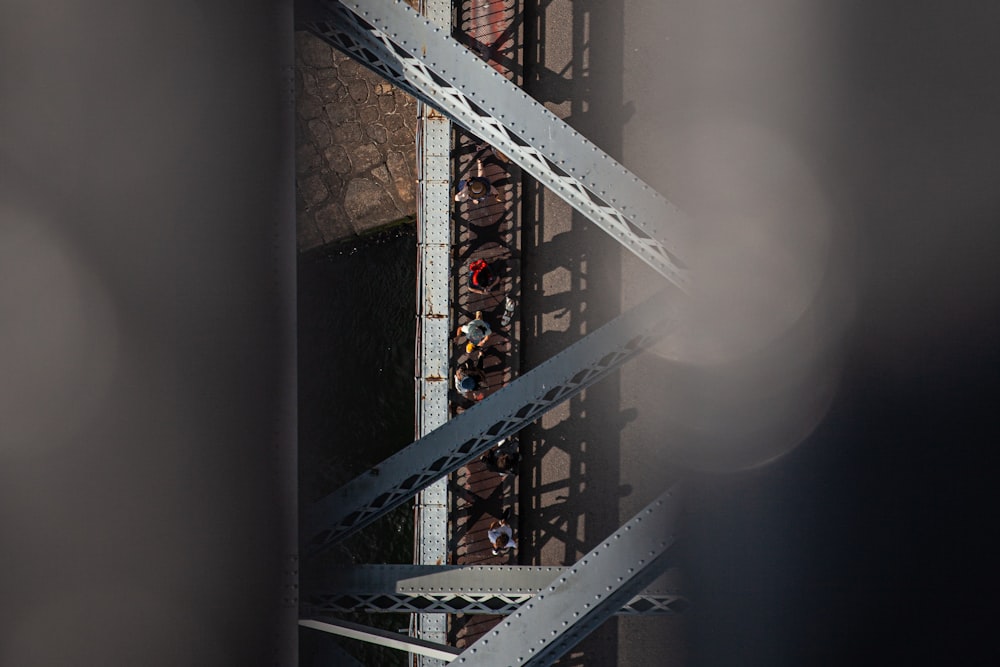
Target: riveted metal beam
x=423, y=59
x=582, y=598
x=453, y=589
x=460, y=440
x=430, y=520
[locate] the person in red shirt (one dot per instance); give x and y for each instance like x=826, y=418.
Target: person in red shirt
x=482, y=280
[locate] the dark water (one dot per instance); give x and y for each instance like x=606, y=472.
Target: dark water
x=356, y=317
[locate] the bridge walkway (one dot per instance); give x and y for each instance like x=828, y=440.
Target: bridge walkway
x=489, y=230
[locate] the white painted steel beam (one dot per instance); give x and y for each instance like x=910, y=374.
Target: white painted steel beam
x=383, y=638
x=578, y=601
x=423, y=59
x=460, y=440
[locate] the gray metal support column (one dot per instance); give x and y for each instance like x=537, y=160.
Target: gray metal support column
x=455, y=443
x=584, y=597
x=396, y=42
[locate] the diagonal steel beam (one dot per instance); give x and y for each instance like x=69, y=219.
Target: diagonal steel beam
x=452, y=589
x=424, y=60
x=580, y=600
x=453, y=444
x=382, y=638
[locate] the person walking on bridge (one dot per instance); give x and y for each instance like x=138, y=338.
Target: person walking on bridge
x=470, y=381
x=476, y=188
x=477, y=331
x=501, y=535
x=482, y=279
x=503, y=458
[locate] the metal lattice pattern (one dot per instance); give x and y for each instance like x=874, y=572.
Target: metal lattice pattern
x=441, y=603
x=455, y=443
x=473, y=447
x=426, y=62
x=467, y=603
x=593, y=615
x=584, y=596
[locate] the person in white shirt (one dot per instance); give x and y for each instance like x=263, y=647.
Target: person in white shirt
x=477, y=332
x=501, y=535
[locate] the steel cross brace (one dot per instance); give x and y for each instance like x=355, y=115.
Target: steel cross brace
x=461, y=439
x=424, y=60
x=336, y=626
x=452, y=589
x=577, y=602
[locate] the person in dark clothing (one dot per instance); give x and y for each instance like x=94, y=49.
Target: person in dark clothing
x=502, y=459
x=470, y=381
x=476, y=188
x=481, y=277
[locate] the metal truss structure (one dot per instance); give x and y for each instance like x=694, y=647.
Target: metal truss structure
x=547, y=609
x=584, y=596
x=424, y=60
x=451, y=589
x=458, y=441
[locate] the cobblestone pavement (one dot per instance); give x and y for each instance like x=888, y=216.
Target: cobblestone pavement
x=355, y=147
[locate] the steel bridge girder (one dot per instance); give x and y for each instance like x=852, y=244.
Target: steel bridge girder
x=580, y=600
x=463, y=438
x=422, y=59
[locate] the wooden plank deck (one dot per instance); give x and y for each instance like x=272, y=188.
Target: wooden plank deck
x=489, y=230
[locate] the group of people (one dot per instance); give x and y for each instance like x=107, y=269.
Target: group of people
x=482, y=278
x=470, y=378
